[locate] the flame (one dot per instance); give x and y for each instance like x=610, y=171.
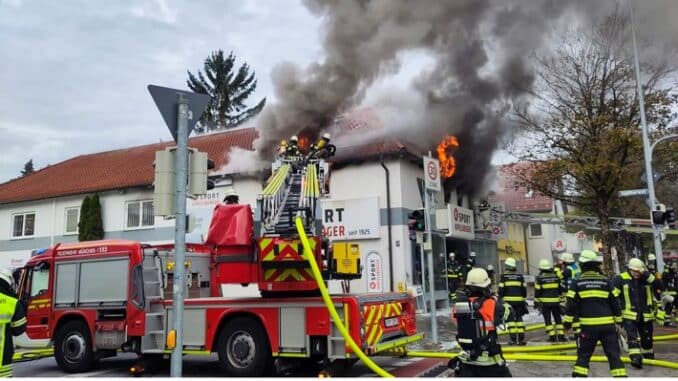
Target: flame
x=304, y=143
x=447, y=164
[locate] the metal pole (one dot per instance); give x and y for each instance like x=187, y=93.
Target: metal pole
x=180, y=234
x=427, y=217
x=423, y=272
x=647, y=151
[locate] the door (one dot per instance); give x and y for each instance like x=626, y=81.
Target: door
x=37, y=294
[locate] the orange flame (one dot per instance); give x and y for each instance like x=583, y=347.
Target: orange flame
x=304, y=143
x=447, y=164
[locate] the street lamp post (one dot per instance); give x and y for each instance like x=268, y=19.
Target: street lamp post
x=647, y=150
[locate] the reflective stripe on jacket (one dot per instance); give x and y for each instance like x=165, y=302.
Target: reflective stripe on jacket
x=635, y=297
x=512, y=287
x=591, y=299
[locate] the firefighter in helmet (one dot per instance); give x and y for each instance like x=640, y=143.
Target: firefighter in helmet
x=571, y=271
x=282, y=148
x=468, y=265
x=591, y=299
x=512, y=289
x=231, y=198
x=293, y=147
x=477, y=313
x=12, y=319
x=547, y=291
x=452, y=277
x=634, y=288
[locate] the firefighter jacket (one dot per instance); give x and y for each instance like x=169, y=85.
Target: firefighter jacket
x=636, y=297
x=453, y=271
x=547, y=288
x=670, y=282
x=12, y=323
x=591, y=299
x=477, y=319
x=571, y=271
x=512, y=288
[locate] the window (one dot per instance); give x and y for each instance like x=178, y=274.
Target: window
x=72, y=218
x=24, y=225
x=140, y=214
x=535, y=230
x=39, y=280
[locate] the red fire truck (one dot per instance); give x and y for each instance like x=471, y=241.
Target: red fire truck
x=95, y=299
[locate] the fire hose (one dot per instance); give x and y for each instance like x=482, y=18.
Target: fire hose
x=308, y=253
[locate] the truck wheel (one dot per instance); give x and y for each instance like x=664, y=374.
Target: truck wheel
x=244, y=350
x=73, y=347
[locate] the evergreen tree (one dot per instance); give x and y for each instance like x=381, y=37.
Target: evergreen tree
x=229, y=90
x=96, y=224
x=28, y=168
x=83, y=224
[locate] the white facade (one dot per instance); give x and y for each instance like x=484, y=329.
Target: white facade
x=544, y=246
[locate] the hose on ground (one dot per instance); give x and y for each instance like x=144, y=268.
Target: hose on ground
x=308, y=253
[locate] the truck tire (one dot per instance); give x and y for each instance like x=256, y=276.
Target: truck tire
x=244, y=349
x=73, y=347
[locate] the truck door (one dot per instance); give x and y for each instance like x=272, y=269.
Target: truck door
x=36, y=292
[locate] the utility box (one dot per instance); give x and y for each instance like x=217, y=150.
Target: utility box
x=164, y=184
x=346, y=260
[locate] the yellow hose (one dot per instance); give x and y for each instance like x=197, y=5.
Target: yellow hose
x=538, y=348
x=572, y=358
x=529, y=328
x=666, y=337
x=330, y=306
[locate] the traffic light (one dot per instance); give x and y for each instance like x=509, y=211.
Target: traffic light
x=658, y=215
x=199, y=165
x=416, y=221
x=163, y=184
x=670, y=217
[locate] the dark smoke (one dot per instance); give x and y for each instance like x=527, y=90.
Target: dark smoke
x=480, y=50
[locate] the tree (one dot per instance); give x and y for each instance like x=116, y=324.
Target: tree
x=228, y=89
x=83, y=223
x=582, y=132
x=90, y=226
x=28, y=168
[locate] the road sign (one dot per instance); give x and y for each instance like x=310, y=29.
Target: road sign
x=633, y=192
x=167, y=100
x=432, y=174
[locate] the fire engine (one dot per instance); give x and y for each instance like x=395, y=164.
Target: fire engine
x=94, y=299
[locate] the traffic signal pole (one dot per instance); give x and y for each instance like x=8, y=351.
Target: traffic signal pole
x=180, y=234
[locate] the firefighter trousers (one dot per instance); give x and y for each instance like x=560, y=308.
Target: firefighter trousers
x=497, y=370
x=588, y=338
x=515, y=324
x=452, y=288
x=6, y=371
x=556, y=327
x=639, y=335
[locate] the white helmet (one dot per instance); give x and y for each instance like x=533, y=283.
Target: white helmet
x=7, y=276
x=326, y=136
x=587, y=256
x=473, y=254
x=294, y=138
x=490, y=268
x=478, y=277
x=451, y=255
x=651, y=257
x=510, y=262
x=636, y=264
x=545, y=264
x=567, y=258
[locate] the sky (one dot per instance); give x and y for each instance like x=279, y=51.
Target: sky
x=74, y=73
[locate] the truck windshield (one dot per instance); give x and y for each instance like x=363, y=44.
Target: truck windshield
x=39, y=280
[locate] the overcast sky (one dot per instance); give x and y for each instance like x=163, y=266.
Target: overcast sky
x=73, y=74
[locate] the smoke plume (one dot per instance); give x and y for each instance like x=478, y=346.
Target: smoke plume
x=480, y=51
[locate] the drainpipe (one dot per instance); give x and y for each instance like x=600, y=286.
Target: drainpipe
x=388, y=221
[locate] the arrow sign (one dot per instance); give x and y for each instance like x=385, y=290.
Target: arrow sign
x=167, y=101
x=633, y=192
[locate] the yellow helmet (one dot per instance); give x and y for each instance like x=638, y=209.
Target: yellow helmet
x=478, y=277
x=567, y=258
x=510, y=262
x=545, y=264
x=588, y=256
x=651, y=257
x=636, y=264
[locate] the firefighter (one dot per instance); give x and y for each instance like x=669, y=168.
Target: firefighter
x=547, y=291
x=477, y=313
x=468, y=265
x=282, y=148
x=452, y=277
x=571, y=271
x=590, y=298
x=636, y=298
x=652, y=262
x=669, y=297
x=512, y=289
x=293, y=147
x=231, y=198
x=12, y=319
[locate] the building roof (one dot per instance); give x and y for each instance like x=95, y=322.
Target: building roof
x=112, y=170
x=516, y=195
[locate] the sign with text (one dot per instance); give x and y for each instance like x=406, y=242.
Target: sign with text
x=375, y=274
x=432, y=174
x=351, y=219
x=461, y=222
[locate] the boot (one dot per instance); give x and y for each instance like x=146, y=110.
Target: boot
x=649, y=356
x=521, y=339
x=552, y=339
x=637, y=361
x=562, y=338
